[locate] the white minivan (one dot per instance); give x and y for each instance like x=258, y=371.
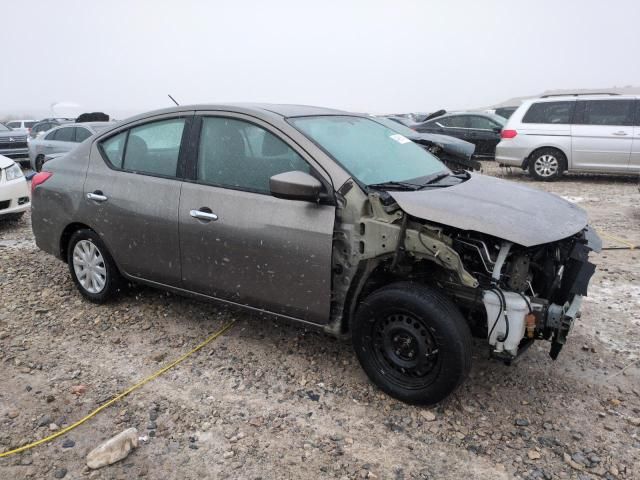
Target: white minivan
x=590, y=133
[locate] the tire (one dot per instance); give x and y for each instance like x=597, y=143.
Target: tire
x=399, y=324
x=39, y=163
x=547, y=164
x=102, y=279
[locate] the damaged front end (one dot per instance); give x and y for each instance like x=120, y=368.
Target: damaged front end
x=528, y=293
x=511, y=294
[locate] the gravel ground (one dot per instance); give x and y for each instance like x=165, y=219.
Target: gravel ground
x=274, y=400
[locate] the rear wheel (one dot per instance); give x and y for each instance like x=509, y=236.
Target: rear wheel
x=412, y=342
x=547, y=164
x=39, y=163
x=92, y=268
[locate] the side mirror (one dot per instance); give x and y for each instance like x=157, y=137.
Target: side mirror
x=295, y=185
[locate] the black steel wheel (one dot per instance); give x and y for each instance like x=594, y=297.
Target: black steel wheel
x=412, y=342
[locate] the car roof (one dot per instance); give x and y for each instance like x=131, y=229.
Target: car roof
x=569, y=97
x=282, y=110
x=477, y=114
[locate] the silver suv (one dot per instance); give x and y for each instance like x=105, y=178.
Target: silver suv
x=594, y=133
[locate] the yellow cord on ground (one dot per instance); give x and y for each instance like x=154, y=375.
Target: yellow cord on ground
x=120, y=396
x=617, y=239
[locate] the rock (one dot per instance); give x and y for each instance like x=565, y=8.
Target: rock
x=114, y=449
x=68, y=443
x=13, y=413
x=228, y=454
x=522, y=422
x=578, y=457
x=534, y=455
x=428, y=415
x=78, y=389
x=53, y=427
x=60, y=472
x=635, y=421
x=613, y=470
x=44, y=421
x=50, y=398
x=615, y=402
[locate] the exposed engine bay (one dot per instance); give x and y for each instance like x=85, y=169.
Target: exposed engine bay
x=511, y=294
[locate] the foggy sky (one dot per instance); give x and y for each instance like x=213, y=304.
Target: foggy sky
x=123, y=57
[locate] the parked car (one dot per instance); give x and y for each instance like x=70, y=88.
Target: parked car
x=61, y=139
x=14, y=193
x=323, y=217
x=13, y=143
x=481, y=129
x=21, y=125
x=45, y=125
x=453, y=152
x=578, y=133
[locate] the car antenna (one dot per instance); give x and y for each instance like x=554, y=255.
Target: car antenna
x=173, y=99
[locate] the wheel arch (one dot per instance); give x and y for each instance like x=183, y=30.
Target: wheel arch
x=66, y=234
x=547, y=146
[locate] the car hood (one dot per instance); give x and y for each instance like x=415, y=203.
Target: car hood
x=496, y=207
x=14, y=134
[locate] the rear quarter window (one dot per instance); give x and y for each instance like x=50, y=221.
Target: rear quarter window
x=549, y=112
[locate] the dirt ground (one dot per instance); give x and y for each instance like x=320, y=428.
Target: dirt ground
x=272, y=400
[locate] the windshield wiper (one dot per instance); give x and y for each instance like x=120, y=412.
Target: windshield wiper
x=394, y=185
x=436, y=179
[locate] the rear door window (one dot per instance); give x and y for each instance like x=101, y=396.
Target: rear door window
x=606, y=112
x=481, y=123
x=549, y=112
x=457, y=121
x=154, y=147
x=67, y=134
x=82, y=134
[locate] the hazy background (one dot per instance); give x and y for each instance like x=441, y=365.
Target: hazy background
x=123, y=57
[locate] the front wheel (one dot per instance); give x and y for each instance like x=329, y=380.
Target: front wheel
x=412, y=342
x=92, y=268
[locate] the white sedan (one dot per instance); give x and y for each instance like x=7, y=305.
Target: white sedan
x=14, y=191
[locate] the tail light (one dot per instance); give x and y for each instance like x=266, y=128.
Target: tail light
x=39, y=179
x=508, y=133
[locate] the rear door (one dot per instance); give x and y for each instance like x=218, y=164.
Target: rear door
x=485, y=133
x=254, y=249
x=602, y=135
x=634, y=163
x=132, y=193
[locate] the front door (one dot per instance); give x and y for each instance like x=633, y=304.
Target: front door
x=132, y=193
x=602, y=134
x=240, y=244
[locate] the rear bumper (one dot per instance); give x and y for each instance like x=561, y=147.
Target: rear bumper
x=511, y=155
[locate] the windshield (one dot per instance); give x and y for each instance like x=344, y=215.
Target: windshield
x=397, y=126
x=3, y=128
x=372, y=153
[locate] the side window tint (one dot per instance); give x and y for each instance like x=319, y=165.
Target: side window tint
x=453, y=122
x=549, y=112
x=481, y=123
x=241, y=155
x=155, y=147
x=608, y=112
x=66, y=134
x=82, y=134
x=637, y=113
x=113, y=148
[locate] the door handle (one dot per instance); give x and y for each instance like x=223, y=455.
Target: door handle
x=203, y=215
x=97, y=196
x=620, y=133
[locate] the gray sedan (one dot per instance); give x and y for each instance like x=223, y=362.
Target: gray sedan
x=61, y=139
x=326, y=218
